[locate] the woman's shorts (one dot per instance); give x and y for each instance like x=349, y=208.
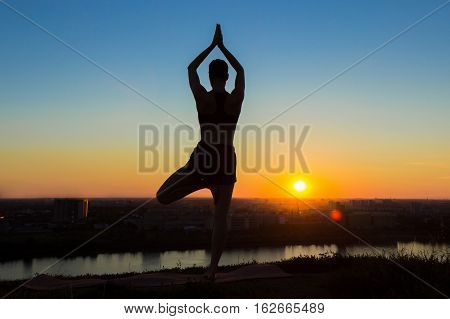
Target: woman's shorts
x=212, y=164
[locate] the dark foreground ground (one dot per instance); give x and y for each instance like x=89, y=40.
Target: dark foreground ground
x=327, y=277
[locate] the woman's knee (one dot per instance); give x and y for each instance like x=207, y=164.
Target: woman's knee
x=163, y=196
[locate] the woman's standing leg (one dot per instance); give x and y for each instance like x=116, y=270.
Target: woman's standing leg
x=222, y=195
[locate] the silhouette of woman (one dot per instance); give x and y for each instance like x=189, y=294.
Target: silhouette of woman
x=212, y=164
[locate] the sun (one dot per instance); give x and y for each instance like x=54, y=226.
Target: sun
x=300, y=186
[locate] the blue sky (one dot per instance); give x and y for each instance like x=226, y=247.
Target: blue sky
x=51, y=97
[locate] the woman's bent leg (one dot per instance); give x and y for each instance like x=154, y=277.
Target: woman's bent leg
x=178, y=185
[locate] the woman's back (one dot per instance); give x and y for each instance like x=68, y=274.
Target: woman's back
x=218, y=119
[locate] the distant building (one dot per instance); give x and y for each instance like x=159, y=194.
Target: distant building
x=384, y=220
x=175, y=219
x=375, y=205
x=4, y=224
x=243, y=221
x=371, y=220
x=359, y=220
x=68, y=210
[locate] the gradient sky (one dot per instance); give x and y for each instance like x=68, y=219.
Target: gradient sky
x=381, y=130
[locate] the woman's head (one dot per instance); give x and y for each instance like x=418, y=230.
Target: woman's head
x=218, y=72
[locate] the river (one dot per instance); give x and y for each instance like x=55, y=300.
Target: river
x=117, y=263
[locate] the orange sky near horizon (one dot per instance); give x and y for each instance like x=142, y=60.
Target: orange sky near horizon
x=110, y=172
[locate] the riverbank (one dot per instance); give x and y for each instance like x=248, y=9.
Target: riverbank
x=330, y=276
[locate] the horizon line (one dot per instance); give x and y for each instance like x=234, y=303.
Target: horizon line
x=206, y=197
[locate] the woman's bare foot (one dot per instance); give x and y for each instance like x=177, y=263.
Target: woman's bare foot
x=209, y=275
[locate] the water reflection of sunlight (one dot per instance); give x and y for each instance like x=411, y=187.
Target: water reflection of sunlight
x=421, y=249
x=138, y=262
x=310, y=250
x=184, y=259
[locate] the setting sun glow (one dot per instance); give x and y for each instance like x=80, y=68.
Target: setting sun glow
x=300, y=186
